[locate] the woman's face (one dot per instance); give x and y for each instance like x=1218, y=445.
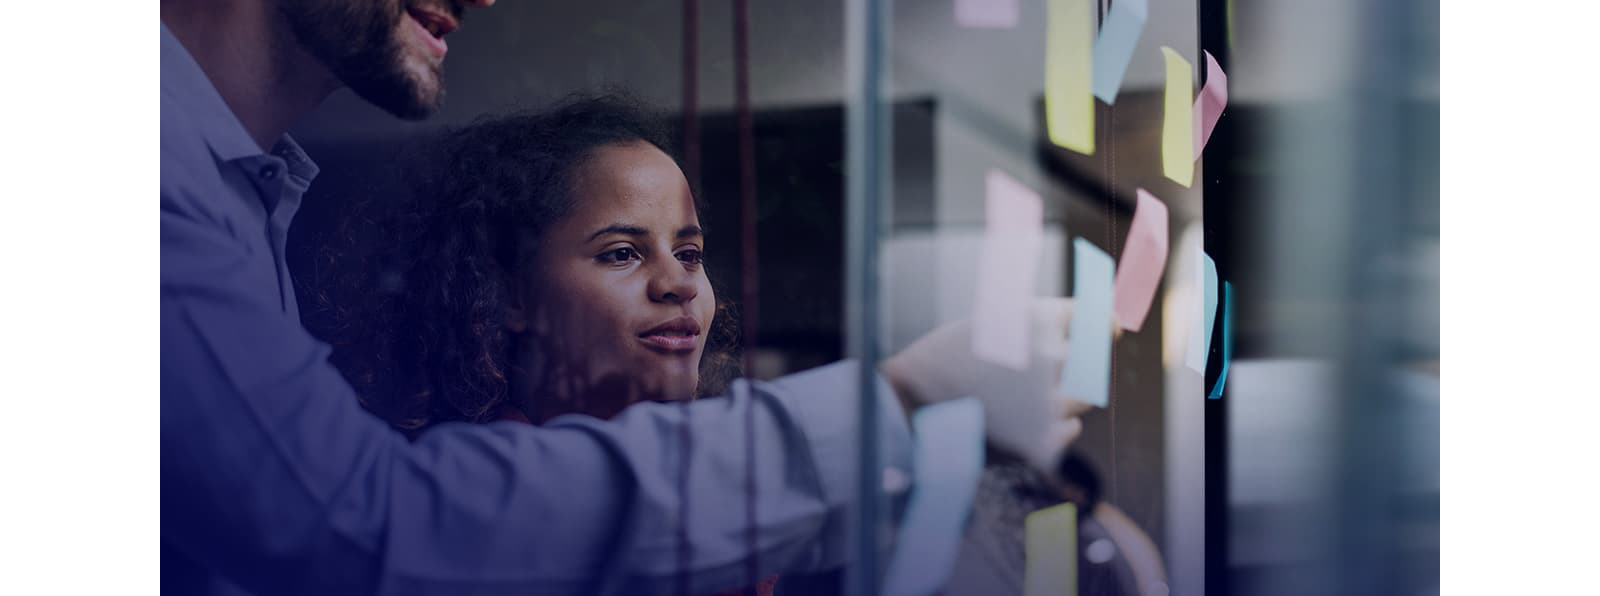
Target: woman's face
x=616, y=291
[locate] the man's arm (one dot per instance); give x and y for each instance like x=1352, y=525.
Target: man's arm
x=273, y=475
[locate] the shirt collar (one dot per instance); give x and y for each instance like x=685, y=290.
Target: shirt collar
x=299, y=164
x=185, y=84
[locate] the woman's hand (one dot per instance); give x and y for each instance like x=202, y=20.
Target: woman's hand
x=1024, y=411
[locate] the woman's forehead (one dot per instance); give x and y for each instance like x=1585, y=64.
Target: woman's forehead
x=634, y=184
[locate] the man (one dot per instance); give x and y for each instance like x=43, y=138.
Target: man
x=275, y=481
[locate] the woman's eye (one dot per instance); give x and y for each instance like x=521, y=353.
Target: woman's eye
x=620, y=255
x=690, y=256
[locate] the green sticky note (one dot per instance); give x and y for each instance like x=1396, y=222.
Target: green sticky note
x=1068, y=92
x=1051, y=568
x=1177, y=123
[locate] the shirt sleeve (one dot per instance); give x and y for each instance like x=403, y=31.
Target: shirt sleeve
x=275, y=477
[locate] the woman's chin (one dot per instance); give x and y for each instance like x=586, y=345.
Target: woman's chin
x=677, y=392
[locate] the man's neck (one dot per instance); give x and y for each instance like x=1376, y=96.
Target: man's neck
x=252, y=58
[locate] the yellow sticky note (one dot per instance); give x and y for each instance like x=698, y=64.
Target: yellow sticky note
x=1051, y=568
x=1177, y=126
x=1068, y=93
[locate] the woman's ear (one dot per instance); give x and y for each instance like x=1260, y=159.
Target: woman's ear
x=516, y=318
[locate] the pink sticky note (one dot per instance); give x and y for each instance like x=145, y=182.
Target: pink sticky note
x=1209, y=105
x=1144, y=258
x=988, y=14
x=1008, y=266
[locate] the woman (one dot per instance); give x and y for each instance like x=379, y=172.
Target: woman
x=549, y=263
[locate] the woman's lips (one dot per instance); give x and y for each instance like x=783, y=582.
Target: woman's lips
x=679, y=335
x=671, y=343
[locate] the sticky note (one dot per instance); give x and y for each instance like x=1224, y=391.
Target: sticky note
x=1209, y=105
x=1008, y=264
x=1181, y=302
x=1227, y=339
x=1113, y=50
x=1200, y=349
x=1086, y=374
x=1144, y=258
x=1205, y=284
x=948, y=457
x=988, y=14
x=1177, y=124
x=1068, y=97
x=1051, y=543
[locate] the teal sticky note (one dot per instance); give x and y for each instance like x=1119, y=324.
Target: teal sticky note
x=1227, y=339
x=1113, y=50
x=947, y=455
x=1086, y=375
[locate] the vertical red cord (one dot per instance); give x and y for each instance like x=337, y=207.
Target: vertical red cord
x=748, y=274
x=691, y=168
x=691, y=97
x=747, y=178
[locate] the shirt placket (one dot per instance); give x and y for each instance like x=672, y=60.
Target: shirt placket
x=271, y=176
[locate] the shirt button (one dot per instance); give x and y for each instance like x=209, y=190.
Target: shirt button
x=269, y=172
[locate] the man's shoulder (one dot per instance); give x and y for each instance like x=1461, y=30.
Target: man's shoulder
x=187, y=164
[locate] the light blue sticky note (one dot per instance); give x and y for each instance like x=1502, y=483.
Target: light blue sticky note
x=1113, y=50
x=948, y=458
x=1086, y=375
x=1209, y=315
x=1227, y=339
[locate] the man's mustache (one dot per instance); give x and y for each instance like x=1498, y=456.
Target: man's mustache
x=455, y=8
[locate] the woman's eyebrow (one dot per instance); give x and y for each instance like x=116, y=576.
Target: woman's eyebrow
x=625, y=229
x=689, y=231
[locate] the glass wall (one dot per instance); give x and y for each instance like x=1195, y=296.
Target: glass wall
x=849, y=154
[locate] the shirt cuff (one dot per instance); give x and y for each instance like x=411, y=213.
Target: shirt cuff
x=825, y=403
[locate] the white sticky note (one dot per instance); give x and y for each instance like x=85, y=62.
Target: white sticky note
x=1180, y=327
x=1051, y=551
x=988, y=14
x=948, y=458
x=1086, y=374
x=1007, y=269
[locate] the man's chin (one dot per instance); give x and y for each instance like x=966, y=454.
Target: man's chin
x=410, y=104
x=405, y=93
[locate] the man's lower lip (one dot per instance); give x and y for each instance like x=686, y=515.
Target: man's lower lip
x=435, y=45
x=670, y=343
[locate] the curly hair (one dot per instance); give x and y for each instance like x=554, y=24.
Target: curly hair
x=428, y=343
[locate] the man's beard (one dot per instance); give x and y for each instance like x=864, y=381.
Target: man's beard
x=358, y=41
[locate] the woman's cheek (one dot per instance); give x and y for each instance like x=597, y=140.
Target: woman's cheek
x=708, y=307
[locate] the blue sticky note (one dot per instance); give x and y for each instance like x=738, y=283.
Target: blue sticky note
x=948, y=458
x=1113, y=50
x=1086, y=375
x=1227, y=339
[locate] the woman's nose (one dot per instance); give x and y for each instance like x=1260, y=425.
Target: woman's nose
x=671, y=283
